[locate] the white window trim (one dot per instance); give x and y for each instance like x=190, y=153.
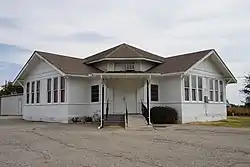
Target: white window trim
x=202, y=87
x=158, y=96
x=191, y=87
x=218, y=91
x=59, y=86
x=211, y=90
x=53, y=92
x=34, y=92
x=28, y=93
x=189, y=90
x=99, y=93
x=37, y=92
x=223, y=91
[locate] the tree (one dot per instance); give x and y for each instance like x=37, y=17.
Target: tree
x=9, y=89
x=246, y=90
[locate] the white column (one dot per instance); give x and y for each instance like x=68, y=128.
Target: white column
x=149, y=93
x=101, y=124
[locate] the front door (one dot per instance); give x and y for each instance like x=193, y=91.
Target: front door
x=124, y=91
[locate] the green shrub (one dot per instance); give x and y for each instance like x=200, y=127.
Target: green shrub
x=163, y=115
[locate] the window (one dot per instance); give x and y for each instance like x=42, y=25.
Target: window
x=200, y=89
x=186, y=87
x=154, y=92
x=194, y=87
x=32, y=92
x=49, y=90
x=130, y=67
x=216, y=90
x=28, y=93
x=37, y=91
x=62, y=89
x=211, y=90
x=95, y=93
x=55, y=90
x=221, y=92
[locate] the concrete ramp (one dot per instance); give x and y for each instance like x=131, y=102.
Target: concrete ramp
x=138, y=122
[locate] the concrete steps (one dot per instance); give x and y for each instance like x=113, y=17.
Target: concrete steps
x=114, y=120
x=138, y=122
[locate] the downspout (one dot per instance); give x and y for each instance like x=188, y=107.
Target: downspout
x=102, y=103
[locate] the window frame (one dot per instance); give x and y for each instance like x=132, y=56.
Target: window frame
x=194, y=88
x=221, y=94
x=62, y=90
x=154, y=95
x=38, y=90
x=32, y=92
x=55, y=90
x=211, y=90
x=186, y=87
x=200, y=89
x=216, y=91
x=28, y=93
x=95, y=99
x=49, y=90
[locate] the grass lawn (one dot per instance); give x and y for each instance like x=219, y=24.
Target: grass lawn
x=234, y=122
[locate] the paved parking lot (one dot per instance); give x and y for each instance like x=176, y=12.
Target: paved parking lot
x=25, y=143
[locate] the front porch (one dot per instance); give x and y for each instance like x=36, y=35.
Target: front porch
x=124, y=95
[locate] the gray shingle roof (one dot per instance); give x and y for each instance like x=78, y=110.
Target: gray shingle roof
x=124, y=51
x=78, y=66
x=68, y=65
x=179, y=63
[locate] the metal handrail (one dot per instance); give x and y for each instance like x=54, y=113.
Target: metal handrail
x=107, y=109
x=145, y=112
x=126, y=111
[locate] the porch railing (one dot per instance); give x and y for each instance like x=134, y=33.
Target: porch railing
x=107, y=109
x=126, y=112
x=145, y=112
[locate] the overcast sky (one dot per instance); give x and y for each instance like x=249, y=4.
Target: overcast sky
x=165, y=27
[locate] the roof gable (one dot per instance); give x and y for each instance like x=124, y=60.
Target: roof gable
x=214, y=57
x=124, y=51
x=180, y=63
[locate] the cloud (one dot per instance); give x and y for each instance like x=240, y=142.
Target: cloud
x=13, y=53
x=8, y=22
x=8, y=71
x=167, y=27
x=85, y=37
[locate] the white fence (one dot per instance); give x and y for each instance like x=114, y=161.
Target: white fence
x=11, y=105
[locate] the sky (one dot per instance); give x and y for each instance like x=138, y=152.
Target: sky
x=165, y=27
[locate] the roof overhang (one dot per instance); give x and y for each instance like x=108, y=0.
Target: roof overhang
x=125, y=74
x=123, y=59
x=215, y=57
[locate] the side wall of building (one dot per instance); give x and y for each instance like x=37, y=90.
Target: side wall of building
x=169, y=93
x=79, y=95
x=11, y=105
x=193, y=111
x=44, y=111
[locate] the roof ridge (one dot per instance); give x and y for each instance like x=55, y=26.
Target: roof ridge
x=114, y=50
x=133, y=50
x=188, y=53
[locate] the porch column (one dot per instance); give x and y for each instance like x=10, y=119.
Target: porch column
x=102, y=103
x=149, y=98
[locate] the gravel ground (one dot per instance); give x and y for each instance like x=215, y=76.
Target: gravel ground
x=28, y=144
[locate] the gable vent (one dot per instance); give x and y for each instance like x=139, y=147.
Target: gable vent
x=130, y=67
